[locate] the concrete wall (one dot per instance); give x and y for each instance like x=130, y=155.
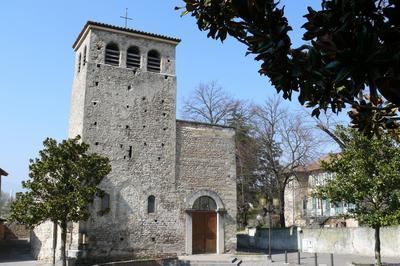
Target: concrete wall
x=358, y=241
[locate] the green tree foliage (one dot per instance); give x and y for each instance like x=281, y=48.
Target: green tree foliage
x=350, y=47
x=62, y=182
x=367, y=175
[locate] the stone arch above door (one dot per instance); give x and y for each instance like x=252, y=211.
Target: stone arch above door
x=220, y=213
x=191, y=198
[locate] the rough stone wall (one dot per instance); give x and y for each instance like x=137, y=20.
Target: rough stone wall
x=78, y=91
x=206, y=161
x=129, y=116
x=41, y=241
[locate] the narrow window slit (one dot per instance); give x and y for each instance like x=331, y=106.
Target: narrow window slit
x=130, y=152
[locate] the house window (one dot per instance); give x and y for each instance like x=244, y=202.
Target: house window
x=153, y=61
x=133, y=57
x=112, y=54
x=151, y=204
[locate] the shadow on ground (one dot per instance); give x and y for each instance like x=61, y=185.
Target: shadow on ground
x=15, y=251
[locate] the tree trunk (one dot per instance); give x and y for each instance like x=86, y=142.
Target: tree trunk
x=54, y=242
x=282, y=209
x=63, y=242
x=378, y=261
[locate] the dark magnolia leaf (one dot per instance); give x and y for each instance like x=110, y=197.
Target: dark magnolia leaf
x=316, y=112
x=342, y=74
x=333, y=65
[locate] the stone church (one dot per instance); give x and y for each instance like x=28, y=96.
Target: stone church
x=172, y=189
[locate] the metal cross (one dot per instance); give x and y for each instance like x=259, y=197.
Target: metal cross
x=126, y=17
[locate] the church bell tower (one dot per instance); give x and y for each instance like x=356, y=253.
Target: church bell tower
x=124, y=105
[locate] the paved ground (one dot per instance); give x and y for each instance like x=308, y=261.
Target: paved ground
x=16, y=253
x=278, y=258
x=324, y=259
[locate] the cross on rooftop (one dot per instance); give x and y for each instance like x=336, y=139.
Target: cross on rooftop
x=126, y=17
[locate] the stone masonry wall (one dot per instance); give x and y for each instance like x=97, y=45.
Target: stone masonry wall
x=129, y=116
x=206, y=161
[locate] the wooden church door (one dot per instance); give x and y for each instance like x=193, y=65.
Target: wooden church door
x=204, y=232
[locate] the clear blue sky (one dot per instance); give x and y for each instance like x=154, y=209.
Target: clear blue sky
x=37, y=65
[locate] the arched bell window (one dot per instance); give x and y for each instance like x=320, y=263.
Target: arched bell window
x=153, y=61
x=112, y=54
x=151, y=204
x=133, y=57
x=204, y=203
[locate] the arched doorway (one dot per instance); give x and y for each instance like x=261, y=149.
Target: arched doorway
x=204, y=225
x=198, y=203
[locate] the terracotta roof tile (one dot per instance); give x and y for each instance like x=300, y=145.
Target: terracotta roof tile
x=314, y=166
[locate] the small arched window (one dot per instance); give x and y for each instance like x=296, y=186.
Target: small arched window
x=79, y=62
x=153, y=61
x=204, y=203
x=112, y=54
x=133, y=57
x=151, y=204
x=84, y=55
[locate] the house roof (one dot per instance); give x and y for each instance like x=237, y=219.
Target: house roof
x=316, y=165
x=3, y=173
x=93, y=24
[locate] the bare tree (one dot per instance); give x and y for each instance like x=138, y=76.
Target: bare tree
x=286, y=142
x=209, y=103
x=246, y=157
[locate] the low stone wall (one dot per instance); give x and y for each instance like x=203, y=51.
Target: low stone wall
x=13, y=231
x=357, y=241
